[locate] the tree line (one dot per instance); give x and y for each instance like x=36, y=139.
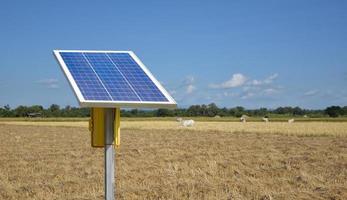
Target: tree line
x=210, y=110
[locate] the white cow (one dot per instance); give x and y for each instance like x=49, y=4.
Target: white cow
x=187, y=123
x=290, y=121
x=179, y=119
x=265, y=119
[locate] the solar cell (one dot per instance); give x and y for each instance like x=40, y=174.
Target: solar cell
x=86, y=79
x=112, y=79
x=114, y=82
x=139, y=80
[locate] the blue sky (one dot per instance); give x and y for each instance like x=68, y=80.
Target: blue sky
x=248, y=53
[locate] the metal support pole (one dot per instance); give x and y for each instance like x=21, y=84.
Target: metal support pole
x=109, y=154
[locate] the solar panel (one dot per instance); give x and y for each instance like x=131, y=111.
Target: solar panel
x=112, y=79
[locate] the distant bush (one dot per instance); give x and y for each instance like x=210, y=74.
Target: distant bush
x=334, y=111
x=203, y=110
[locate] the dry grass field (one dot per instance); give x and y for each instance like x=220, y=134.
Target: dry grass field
x=161, y=160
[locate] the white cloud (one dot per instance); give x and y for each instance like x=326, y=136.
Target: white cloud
x=53, y=86
x=189, y=80
x=184, y=89
x=249, y=88
x=265, y=87
x=270, y=91
x=266, y=81
x=254, y=92
x=273, y=76
x=311, y=93
x=236, y=80
x=190, y=89
x=51, y=83
x=256, y=82
x=188, y=84
x=248, y=95
x=230, y=94
x=172, y=92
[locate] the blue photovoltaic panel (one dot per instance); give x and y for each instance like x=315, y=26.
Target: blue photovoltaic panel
x=111, y=77
x=139, y=80
x=85, y=78
x=114, y=82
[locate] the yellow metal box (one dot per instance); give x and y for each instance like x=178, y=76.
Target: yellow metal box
x=97, y=127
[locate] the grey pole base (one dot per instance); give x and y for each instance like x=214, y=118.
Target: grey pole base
x=109, y=154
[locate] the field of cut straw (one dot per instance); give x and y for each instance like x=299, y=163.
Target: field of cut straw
x=163, y=160
x=283, y=128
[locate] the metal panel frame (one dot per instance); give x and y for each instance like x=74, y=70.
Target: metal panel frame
x=171, y=103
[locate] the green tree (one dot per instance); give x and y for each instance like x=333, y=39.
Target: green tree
x=239, y=111
x=223, y=112
x=297, y=111
x=194, y=110
x=54, y=108
x=344, y=110
x=21, y=111
x=212, y=110
x=164, y=113
x=333, y=111
x=54, y=111
x=35, y=109
x=134, y=112
x=6, y=111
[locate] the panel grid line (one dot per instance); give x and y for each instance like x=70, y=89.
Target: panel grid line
x=97, y=76
x=83, y=75
x=123, y=76
x=141, y=82
x=115, y=83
